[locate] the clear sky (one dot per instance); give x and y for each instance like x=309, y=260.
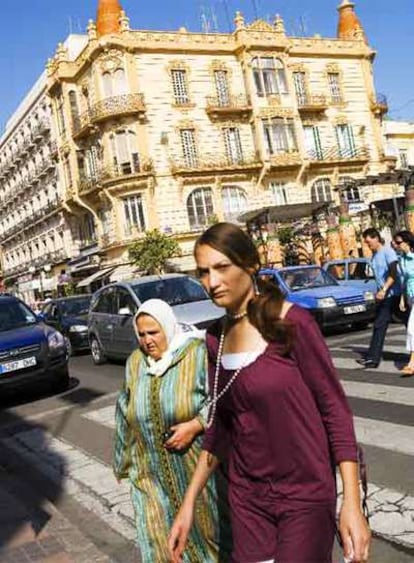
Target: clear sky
x=31, y=30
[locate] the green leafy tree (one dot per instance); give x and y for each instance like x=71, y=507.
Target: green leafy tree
x=151, y=252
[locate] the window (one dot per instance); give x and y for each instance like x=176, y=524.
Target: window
x=279, y=135
x=313, y=145
x=125, y=300
x=134, y=214
x=334, y=81
x=124, y=151
x=179, y=81
x=269, y=76
x=321, y=191
x=67, y=172
x=88, y=164
x=233, y=145
x=234, y=202
x=403, y=153
x=74, y=110
x=278, y=190
x=60, y=115
x=299, y=79
x=346, y=143
x=87, y=233
x=105, y=302
x=350, y=192
x=222, y=87
x=200, y=207
x=188, y=146
x=114, y=84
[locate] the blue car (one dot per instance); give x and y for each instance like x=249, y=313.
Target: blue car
x=330, y=303
x=353, y=272
x=31, y=352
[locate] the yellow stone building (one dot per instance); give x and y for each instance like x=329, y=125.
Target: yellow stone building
x=173, y=130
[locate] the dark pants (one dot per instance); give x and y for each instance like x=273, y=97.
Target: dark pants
x=383, y=316
x=286, y=532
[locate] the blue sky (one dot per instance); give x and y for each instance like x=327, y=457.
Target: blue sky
x=31, y=30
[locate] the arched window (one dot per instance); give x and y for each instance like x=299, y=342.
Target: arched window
x=234, y=202
x=269, y=76
x=107, y=84
x=120, y=86
x=124, y=152
x=321, y=190
x=200, y=207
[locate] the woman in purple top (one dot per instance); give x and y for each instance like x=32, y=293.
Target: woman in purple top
x=279, y=416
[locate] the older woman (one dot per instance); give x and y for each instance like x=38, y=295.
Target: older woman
x=159, y=421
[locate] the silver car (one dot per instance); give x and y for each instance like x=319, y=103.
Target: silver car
x=110, y=329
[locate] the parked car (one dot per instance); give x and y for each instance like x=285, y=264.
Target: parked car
x=111, y=333
x=329, y=302
x=69, y=315
x=355, y=272
x=31, y=352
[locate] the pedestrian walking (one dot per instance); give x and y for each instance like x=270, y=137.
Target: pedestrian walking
x=278, y=415
x=404, y=243
x=385, y=265
x=160, y=417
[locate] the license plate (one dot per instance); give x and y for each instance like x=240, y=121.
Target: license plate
x=17, y=364
x=354, y=309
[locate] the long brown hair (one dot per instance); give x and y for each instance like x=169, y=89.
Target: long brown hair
x=265, y=308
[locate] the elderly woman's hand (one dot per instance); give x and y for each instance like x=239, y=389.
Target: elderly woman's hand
x=183, y=435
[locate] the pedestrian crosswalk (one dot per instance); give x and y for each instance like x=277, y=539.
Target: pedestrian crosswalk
x=386, y=429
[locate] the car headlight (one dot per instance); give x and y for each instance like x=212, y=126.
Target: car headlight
x=326, y=302
x=369, y=296
x=78, y=328
x=56, y=341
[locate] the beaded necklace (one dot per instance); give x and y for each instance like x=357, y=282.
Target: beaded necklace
x=216, y=395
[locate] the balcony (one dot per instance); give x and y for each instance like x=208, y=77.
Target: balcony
x=312, y=104
x=379, y=105
x=285, y=159
x=228, y=106
x=114, y=174
x=215, y=163
x=337, y=156
x=117, y=106
x=40, y=129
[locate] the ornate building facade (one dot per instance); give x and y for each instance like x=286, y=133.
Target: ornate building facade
x=174, y=130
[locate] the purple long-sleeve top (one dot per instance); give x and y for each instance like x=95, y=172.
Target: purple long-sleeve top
x=285, y=420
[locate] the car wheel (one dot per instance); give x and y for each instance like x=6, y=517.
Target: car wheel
x=98, y=357
x=61, y=382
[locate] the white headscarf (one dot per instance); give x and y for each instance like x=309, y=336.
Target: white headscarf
x=176, y=337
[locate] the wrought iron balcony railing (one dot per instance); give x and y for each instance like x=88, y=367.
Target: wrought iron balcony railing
x=126, y=104
x=337, y=154
x=215, y=162
x=106, y=175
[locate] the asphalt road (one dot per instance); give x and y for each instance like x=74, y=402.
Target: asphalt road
x=79, y=425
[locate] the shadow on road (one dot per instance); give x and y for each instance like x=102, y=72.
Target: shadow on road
x=24, y=491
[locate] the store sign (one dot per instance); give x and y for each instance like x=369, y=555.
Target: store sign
x=357, y=207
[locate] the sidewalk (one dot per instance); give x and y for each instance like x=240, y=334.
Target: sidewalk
x=33, y=530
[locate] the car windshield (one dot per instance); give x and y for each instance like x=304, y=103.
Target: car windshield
x=306, y=278
x=74, y=307
x=174, y=291
x=14, y=314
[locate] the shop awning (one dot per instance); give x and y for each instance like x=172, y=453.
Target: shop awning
x=94, y=277
x=124, y=272
x=283, y=213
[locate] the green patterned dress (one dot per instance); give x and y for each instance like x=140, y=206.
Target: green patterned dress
x=147, y=407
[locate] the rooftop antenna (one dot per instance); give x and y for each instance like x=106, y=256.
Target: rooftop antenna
x=205, y=20
x=255, y=9
x=70, y=25
x=214, y=20
x=227, y=14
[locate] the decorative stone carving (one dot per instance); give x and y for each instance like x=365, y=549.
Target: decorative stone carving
x=91, y=29
x=111, y=60
x=260, y=25
x=124, y=22
x=239, y=20
x=279, y=25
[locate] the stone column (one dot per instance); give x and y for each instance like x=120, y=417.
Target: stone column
x=409, y=209
x=333, y=238
x=347, y=233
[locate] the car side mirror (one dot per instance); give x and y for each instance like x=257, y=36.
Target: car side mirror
x=125, y=312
